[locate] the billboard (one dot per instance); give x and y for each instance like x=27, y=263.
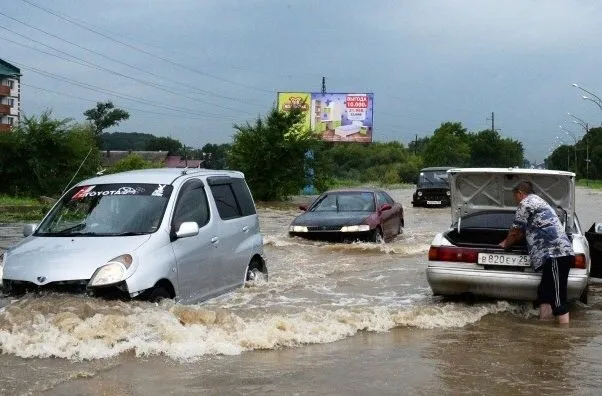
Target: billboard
x=334, y=117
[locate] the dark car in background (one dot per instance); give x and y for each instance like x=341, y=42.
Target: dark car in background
x=347, y=215
x=432, y=188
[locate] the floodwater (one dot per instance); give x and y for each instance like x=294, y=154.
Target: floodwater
x=334, y=319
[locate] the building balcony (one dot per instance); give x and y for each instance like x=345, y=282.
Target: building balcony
x=4, y=109
x=5, y=128
x=4, y=90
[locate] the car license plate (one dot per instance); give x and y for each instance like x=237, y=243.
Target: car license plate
x=517, y=260
x=433, y=202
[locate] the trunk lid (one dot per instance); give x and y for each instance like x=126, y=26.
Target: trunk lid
x=480, y=189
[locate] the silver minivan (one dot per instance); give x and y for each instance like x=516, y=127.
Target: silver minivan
x=188, y=234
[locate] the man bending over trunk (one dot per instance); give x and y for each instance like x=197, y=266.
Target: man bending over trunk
x=550, y=250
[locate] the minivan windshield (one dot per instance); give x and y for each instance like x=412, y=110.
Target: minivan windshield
x=433, y=178
x=108, y=210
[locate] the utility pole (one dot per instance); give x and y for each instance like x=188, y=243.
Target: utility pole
x=492, y=121
x=323, y=85
x=416, y=145
x=586, y=154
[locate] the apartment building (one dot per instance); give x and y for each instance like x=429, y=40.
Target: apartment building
x=10, y=96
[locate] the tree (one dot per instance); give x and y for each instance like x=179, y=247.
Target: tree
x=43, y=154
x=131, y=162
x=448, y=146
x=271, y=157
x=172, y=146
x=103, y=116
x=489, y=149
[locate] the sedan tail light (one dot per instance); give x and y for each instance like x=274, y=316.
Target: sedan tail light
x=453, y=254
x=579, y=261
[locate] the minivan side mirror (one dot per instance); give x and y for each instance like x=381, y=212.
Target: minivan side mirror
x=187, y=229
x=29, y=229
x=303, y=207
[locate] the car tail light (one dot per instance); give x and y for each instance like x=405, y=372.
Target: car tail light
x=579, y=261
x=453, y=254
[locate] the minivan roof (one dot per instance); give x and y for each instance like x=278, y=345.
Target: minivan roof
x=157, y=175
x=436, y=168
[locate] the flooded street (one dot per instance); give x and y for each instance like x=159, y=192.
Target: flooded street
x=334, y=319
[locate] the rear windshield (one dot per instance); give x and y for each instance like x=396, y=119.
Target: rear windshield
x=108, y=210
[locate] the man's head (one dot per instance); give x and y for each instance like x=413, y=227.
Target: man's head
x=521, y=190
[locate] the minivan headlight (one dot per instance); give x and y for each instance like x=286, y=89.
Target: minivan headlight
x=448, y=193
x=419, y=193
x=297, y=228
x=112, y=272
x=356, y=228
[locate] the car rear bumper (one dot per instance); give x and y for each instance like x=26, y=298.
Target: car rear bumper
x=495, y=284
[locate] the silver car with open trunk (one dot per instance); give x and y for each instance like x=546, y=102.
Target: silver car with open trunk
x=466, y=259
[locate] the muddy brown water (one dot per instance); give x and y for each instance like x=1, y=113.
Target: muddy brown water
x=334, y=319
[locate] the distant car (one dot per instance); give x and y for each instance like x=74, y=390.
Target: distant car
x=466, y=259
x=348, y=215
x=155, y=233
x=432, y=188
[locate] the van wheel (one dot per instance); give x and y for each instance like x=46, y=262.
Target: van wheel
x=583, y=297
x=254, y=272
x=157, y=294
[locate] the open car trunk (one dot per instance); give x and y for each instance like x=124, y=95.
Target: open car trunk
x=483, y=238
x=484, y=230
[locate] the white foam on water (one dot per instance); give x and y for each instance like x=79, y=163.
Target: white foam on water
x=98, y=330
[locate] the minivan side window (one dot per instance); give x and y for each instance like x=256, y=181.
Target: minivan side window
x=227, y=206
x=192, y=205
x=243, y=196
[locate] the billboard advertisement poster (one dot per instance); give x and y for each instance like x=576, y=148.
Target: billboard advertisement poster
x=290, y=100
x=335, y=117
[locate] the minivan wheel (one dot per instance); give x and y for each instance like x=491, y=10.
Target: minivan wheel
x=254, y=272
x=157, y=294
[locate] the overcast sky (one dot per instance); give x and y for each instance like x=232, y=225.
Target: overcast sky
x=190, y=69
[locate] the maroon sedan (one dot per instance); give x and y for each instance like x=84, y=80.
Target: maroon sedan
x=353, y=214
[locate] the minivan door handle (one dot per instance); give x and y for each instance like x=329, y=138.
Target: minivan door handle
x=214, y=240
x=245, y=229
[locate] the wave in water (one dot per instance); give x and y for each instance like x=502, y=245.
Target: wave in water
x=80, y=328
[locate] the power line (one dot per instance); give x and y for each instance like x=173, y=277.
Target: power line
x=115, y=60
x=116, y=94
x=129, y=108
x=70, y=20
x=102, y=68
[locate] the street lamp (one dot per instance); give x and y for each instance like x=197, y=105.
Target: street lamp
x=597, y=100
x=585, y=127
x=593, y=100
x=571, y=135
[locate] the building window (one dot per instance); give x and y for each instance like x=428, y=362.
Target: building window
x=11, y=84
x=11, y=102
x=10, y=121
